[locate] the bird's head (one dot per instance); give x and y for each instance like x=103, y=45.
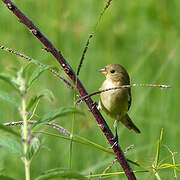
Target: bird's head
x=115, y=72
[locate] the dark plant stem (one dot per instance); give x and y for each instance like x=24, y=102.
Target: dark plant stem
x=69, y=71
x=84, y=53
x=37, y=63
x=55, y=126
x=79, y=101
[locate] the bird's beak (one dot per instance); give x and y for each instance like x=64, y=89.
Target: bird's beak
x=103, y=70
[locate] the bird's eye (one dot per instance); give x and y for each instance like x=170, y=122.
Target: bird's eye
x=112, y=71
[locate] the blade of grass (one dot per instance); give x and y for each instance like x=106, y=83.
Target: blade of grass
x=167, y=165
x=114, y=174
x=84, y=141
x=156, y=161
x=94, y=144
x=173, y=160
x=76, y=141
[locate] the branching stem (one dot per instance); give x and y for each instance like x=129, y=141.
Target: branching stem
x=69, y=71
x=79, y=101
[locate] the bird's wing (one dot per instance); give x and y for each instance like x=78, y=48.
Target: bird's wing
x=129, y=98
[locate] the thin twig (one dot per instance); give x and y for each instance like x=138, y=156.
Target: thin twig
x=84, y=53
x=79, y=101
x=55, y=126
x=108, y=168
x=106, y=6
x=37, y=63
x=59, y=128
x=115, y=160
x=128, y=148
x=90, y=174
x=90, y=36
x=102, y=13
x=69, y=71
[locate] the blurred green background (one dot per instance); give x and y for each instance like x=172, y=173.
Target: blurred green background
x=143, y=36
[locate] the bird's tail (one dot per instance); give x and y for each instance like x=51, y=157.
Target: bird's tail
x=129, y=124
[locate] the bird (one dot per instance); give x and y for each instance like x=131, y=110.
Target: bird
x=116, y=103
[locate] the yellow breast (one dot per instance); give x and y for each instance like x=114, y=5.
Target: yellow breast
x=114, y=102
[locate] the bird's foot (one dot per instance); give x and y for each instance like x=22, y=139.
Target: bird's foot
x=115, y=138
x=94, y=105
x=115, y=144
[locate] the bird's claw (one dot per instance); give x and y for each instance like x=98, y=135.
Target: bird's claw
x=115, y=144
x=115, y=138
x=94, y=105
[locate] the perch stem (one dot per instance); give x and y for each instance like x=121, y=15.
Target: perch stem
x=69, y=71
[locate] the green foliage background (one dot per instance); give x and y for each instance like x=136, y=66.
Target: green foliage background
x=143, y=36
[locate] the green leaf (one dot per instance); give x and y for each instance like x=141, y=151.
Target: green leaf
x=33, y=148
x=6, y=177
x=35, y=75
x=80, y=140
x=35, y=99
x=55, y=69
x=5, y=96
x=61, y=173
x=84, y=141
x=12, y=145
x=26, y=67
x=9, y=130
x=63, y=111
x=93, y=144
x=9, y=79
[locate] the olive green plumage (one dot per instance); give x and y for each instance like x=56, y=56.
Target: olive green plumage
x=116, y=103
